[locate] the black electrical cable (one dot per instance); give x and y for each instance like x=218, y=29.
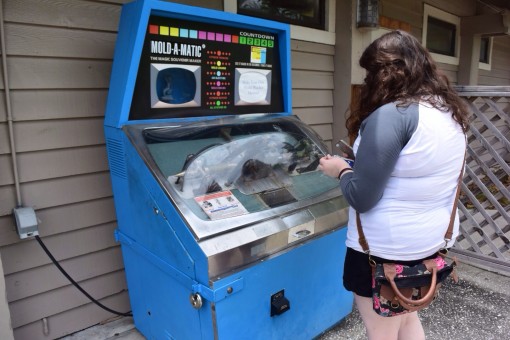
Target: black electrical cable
x=43, y=246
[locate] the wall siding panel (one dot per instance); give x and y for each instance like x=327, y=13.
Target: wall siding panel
x=67, y=190
x=55, y=192
x=59, y=42
x=6, y=176
x=450, y=71
x=74, y=319
x=404, y=10
x=315, y=115
x=212, y=4
x=312, y=85
x=34, y=166
x=323, y=130
x=3, y=111
x=63, y=219
x=311, y=61
x=311, y=47
x=493, y=81
x=62, y=163
x=1, y=77
x=312, y=80
x=7, y=200
x=4, y=139
x=311, y=98
x=38, y=306
x=69, y=13
x=49, y=277
x=58, y=104
x=62, y=246
x=456, y=7
x=58, y=134
x=46, y=73
x=500, y=67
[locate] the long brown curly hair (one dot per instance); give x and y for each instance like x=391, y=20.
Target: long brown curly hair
x=399, y=69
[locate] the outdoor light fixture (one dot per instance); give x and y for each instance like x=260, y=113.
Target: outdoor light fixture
x=367, y=14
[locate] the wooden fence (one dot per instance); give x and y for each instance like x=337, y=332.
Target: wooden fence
x=484, y=205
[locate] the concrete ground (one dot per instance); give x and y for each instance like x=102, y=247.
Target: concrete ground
x=476, y=308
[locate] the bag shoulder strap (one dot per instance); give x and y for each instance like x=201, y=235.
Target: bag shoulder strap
x=449, y=231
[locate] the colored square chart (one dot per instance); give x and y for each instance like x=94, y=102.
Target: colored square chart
x=164, y=30
x=183, y=33
x=153, y=29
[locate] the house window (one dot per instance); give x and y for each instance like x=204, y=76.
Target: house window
x=484, y=50
x=441, y=35
x=485, y=53
x=311, y=20
x=303, y=13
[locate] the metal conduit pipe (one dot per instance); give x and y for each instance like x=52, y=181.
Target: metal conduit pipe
x=9, y=109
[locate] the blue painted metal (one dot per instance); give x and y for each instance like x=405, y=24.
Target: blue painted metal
x=317, y=300
x=311, y=276
x=165, y=265
x=128, y=49
x=213, y=295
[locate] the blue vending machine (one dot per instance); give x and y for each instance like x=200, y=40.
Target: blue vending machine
x=227, y=228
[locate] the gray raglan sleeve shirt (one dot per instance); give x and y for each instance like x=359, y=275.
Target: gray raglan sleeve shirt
x=383, y=136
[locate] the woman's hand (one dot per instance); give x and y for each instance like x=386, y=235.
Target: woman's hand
x=331, y=165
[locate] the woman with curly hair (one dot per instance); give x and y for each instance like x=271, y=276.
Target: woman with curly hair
x=409, y=142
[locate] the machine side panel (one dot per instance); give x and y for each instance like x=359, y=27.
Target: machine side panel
x=152, y=222
x=118, y=172
x=159, y=300
x=311, y=278
x=160, y=311
x=182, y=233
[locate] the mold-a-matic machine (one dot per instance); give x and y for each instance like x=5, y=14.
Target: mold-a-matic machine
x=227, y=228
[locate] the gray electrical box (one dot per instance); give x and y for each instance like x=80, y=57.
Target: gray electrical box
x=26, y=222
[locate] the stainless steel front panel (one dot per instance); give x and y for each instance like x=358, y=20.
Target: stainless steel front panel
x=239, y=248
x=265, y=165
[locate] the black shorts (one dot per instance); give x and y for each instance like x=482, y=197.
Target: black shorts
x=358, y=273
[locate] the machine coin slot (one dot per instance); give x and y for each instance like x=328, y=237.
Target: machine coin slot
x=279, y=303
x=301, y=225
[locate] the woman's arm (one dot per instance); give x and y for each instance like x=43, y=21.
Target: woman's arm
x=383, y=136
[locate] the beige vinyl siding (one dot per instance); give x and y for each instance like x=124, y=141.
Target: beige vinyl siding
x=59, y=56
x=451, y=71
x=312, y=86
x=499, y=73
x=411, y=11
x=500, y=66
x=462, y=7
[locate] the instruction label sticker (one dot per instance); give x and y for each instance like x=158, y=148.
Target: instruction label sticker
x=258, y=55
x=221, y=205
